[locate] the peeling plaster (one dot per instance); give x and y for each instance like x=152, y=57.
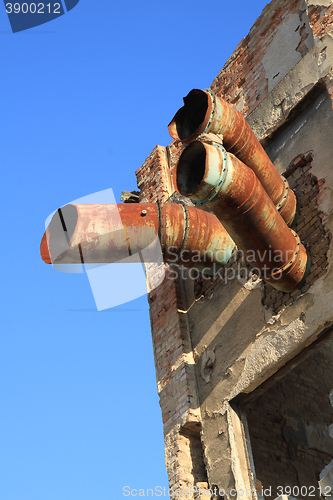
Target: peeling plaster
x=322, y=302
x=273, y=111
x=285, y=41
x=207, y=364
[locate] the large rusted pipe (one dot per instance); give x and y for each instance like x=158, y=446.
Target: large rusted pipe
x=204, y=112
x=216, y=179
x=130, y=232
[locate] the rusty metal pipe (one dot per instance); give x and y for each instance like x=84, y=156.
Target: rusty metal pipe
x=204, y=112
x=131, y=232
x=216, y=179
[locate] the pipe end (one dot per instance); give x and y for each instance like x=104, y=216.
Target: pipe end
x=44, y=250
x=58, y=233
x=201, y=168
x=191, y=120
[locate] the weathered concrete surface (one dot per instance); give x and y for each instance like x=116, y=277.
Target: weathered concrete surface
x=274, y=110
x=285, y=41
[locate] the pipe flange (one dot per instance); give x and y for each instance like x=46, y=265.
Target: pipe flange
x=285, y=194
x=212, y=114
x=186, y=230
x=295, y=256
x=222, y=176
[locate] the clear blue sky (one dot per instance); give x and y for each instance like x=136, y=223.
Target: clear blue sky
x=84, y=100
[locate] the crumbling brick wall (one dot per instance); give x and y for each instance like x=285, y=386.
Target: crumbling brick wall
x=321, y=19
x=310, y=228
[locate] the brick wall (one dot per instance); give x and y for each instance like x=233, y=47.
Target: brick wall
x=242, y=80
x=171, y=342
x=176, y=383
x=321, y=19
x=153, y=178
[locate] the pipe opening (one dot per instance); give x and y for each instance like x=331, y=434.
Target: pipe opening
x=189, y=118
x=191, y=168
x=61, y=230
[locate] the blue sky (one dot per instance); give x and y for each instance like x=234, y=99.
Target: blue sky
x=84, y=99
